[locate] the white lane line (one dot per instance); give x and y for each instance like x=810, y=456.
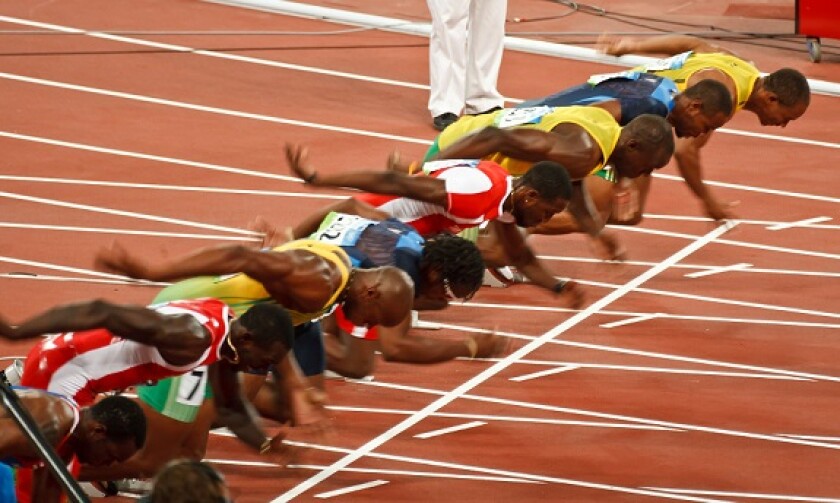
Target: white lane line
x=716, y=300
x=65, y=279
x=718, y=270
x=542, y=373
x=147, y=157
x=213, y=54
x=730, y=494
x=629, y=321
x=182, y=188
x=131, y=214
x=209, y=109
x=107, y=230
x=498, y=367
x=216, y=167
x=89, y=272
x=812, y=437
x=378, y=471
x=756, y=270
x=616, y=417
x=558, y=367
x=507, y=419
x=798, y=223
x=451, y=429
x=650, y=354
x=731, y=242
x=351, y=489
x=742, y=221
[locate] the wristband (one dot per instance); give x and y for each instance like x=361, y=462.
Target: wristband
x=266, y=446
x=412, y=167
x=559, y=286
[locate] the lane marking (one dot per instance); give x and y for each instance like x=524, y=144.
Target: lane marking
x=451, y=429
x=657, y=216
x=209, y=109
x=107, y=230
x=718, y=270
x=511, y=419
x=798, y=223
x=629, y=321
x=351, y=489
x=762, y=190
x=781, y=497
x=42, y=277
x=498, y=367
x=89, y=272
x=132, y=214
x=542, y=373
x=685, y=427
x=651, y=354
x=812, y=437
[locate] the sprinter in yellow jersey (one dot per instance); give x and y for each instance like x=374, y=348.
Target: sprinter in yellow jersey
x=776, y=99
x=580, y=138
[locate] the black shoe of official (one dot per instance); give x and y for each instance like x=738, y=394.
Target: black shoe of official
x=488, y=111
x=441, y=121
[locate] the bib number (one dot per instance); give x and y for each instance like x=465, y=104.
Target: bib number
x=340, y=229
x=603, y=77
x=512, y=117
x=191, y=387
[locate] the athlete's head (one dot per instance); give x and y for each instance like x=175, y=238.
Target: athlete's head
x=542, y=191
x=781, y=97
x=645, y=144
x=451, y=268
x=263, y=335
x=381, y=296
x=189, y=481
x=110, y=431
x=701, y=108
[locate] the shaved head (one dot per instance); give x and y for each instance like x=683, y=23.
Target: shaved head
x=380, y=296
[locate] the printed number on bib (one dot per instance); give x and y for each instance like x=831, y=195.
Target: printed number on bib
x=191, y=387
x=517, y=116
x=341, y=230
x=672, y=63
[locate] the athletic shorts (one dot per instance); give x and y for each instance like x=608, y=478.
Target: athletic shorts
x=433, y=150
x=607, y=173
x=358, y=331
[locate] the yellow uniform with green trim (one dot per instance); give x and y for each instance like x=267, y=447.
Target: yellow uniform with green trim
x=681, y=67
x=180, y=397
x=596, y=121
x=240, y=291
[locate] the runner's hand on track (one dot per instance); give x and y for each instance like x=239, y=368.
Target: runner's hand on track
x=573, y=294
x=614, y=46
x=719, y=212
x=272, y=235
x=280, y=452
x=298, y=158
x=6, y=330
x=608, y=247
x=490, y=345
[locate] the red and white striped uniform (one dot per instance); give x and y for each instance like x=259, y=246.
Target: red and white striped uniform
x=82, y=364
x=476, y=190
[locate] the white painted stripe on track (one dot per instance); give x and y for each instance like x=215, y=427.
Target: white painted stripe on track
x=351, y=489
x=763, y=190
x=451, y=429
x=733, y=494
x=685, y=427
x=719, y=270
x=811, y=437
x=131, y=214
x=650, y=354
x=498, y=367
x=90, y=272
x=65, y=279
x=497, y=418
x=742, y=221
x=798, y=223
x=106, y=230
x=208, y=109
x=629, y=321
x=559, y=369
x=148, y=157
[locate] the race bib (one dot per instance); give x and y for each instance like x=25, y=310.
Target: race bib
x=672, y=63
x=191, y=387
x=517, y=116
x=341, y=229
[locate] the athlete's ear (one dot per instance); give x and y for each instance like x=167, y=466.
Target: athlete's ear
x=695, y=106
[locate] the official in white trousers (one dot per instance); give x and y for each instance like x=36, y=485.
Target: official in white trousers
x=465, y=53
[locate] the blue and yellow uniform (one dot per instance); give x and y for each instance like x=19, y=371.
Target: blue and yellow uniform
x=180, y=397
x=636, y=92
x=599, y=123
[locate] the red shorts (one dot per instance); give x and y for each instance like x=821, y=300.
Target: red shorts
x=361, y=332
